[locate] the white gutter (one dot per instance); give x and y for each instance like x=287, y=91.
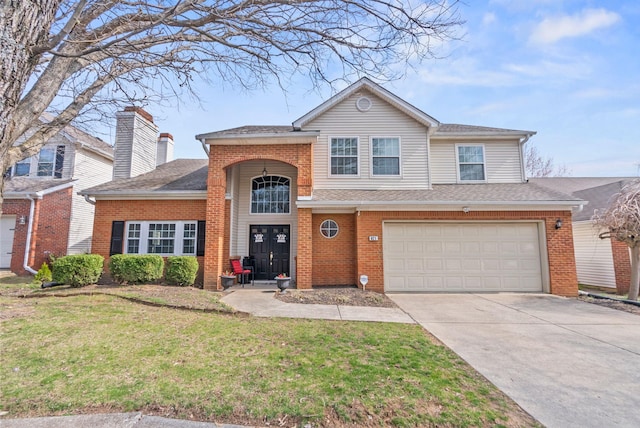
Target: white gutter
x=27, y=246
x=204, y=146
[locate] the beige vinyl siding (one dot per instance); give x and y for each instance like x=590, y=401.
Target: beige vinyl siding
x=243, y=217
x=90, y=170
x=443, y=162
x=594, y=257
x=502, y=161
x=381, y=120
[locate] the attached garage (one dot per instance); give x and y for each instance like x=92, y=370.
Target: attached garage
x=462, y=257
x=7, y=228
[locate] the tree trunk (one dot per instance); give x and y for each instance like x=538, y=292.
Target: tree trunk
x=24, y=25
x=635, y=272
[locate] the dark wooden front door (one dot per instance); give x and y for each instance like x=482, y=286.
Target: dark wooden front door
x=270, y=247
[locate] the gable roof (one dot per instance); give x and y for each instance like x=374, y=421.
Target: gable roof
x=376, y=89
x=87, y=141
x=599, y=191
x=186, y=178
x=455, y=130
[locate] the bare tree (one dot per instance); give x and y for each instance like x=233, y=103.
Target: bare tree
x=70, y=56
x=537, y=165
x=622, y=222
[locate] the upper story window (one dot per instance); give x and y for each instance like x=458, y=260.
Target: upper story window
x=471, y=164
x=385, y=153
x=22, y=168
x=48, y=163
x=270, y=195
x=344, y=156
x=164, y=238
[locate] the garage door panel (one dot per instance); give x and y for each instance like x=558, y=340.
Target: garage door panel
x=462, y=257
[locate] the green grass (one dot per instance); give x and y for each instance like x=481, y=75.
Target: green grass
x=99, y=353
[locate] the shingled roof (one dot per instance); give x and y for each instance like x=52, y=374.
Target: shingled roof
x=171, y=178
x=599, y=191
x=22, y=186
x=444, y=194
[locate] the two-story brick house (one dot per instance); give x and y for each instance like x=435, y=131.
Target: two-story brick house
x=364, y=184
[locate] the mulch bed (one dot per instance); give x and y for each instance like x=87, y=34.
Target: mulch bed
x=337, y=296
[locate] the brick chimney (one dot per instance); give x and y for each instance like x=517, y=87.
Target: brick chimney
x=136, y=140
x=164, y=152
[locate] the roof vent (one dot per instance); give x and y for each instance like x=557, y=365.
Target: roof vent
x=363, y=104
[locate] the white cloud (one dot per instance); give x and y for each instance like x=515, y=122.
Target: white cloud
x=552, y=29
x=489, y=18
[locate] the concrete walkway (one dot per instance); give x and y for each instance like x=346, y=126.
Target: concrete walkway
x=261, y=303
x=566, y=362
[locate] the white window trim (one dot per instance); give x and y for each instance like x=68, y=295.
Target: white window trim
x=484, y=163
x=330, y=175
x=274, y=214
x=177, y=240
x=371, y=174
x=53, y=162
x=322, y=228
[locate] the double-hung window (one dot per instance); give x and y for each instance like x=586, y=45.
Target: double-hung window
x=385, y=156
x=164, y=238
x=471, y=164
x=344, y=156
x=46, y=161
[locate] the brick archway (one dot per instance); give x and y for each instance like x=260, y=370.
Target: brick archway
x=221, y=157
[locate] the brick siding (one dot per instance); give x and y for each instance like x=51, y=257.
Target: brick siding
x=50, y=233
x=621, y=266
x=141, y=210
x=334, y=260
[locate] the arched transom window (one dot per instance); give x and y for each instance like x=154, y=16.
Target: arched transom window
x=270, y=195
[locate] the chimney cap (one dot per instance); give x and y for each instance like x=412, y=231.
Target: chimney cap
x=140, y=111
x=165, y=135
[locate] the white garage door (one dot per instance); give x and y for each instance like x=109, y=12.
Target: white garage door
x=462, y=257
x=7, y=226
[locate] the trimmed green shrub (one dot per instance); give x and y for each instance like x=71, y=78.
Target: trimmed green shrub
x=181, y=270
x=78, y=270
x=44, y=274
x=136, y=268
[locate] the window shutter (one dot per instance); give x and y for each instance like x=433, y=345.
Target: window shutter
x=57, y=171
x=201, y=233
x=117, y=234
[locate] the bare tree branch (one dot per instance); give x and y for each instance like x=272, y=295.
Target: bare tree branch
x=621, y=221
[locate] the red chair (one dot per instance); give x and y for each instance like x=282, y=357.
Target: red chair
x=242, y=271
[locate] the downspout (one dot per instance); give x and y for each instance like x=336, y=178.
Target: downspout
x=87, y=198
x=204, y=147
x=27, y=246
x=523, y=162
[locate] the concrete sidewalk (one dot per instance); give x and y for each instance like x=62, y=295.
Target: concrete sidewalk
x=109, y=420
x=261, y=303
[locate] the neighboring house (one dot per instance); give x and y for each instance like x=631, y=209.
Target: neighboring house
x=364, y=184
x=599, y=262
x=42, y=213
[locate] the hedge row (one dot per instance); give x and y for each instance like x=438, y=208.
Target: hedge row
x=137, y=269
x=84, y=269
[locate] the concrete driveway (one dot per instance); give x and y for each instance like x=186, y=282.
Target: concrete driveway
x=566, y=362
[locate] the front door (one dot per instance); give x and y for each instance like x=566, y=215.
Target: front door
x=269, y=246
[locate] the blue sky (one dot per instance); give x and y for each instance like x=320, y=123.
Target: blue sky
x=569, y=70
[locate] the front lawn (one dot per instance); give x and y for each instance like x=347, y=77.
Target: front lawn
x=100, y=353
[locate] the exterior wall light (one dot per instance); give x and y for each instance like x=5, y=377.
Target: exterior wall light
x=558, y=224
x=22, y=219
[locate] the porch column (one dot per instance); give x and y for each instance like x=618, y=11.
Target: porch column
x=214, y=257
x=305, y=245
